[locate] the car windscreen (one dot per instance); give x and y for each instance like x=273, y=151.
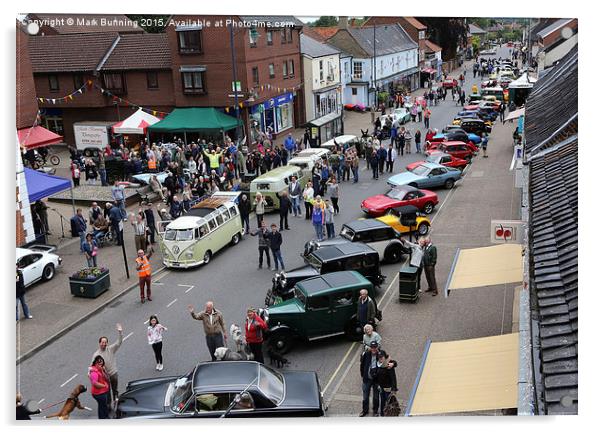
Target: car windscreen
x=181, y=393
x=420, y=170
x=179, y=234
x=314, y=261
x=395, y=194
x=271, y=384
x=299, y=295
x=347, y=233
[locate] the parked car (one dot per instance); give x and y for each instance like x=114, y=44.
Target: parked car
x=449, y=83
x=224, y=389
x=449, y=128
x=346, y=256
x=373, y=233
x=37, y=263
x=460, y=150
x=442, y=158
x=427, y=175
x=376, y=206
x=407, y=219
x=401, y=115
x=457, y=135
x=474, y=98
x=476, y=126
x=321, y=307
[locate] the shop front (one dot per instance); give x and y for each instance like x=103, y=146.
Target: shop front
x=325, y=128
x=271, y=117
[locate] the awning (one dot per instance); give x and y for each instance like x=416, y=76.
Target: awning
x=194, y=119
x=37, y=137
x=318, y=122
x=485, y=266
x=41, y=185
x=515, y=114
x=137, y=123
x=467, y=376
x=429, y=70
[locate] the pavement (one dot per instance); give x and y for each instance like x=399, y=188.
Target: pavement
x=233, y=282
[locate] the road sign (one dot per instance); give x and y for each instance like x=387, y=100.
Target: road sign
x=507, y=231
x=238, y=87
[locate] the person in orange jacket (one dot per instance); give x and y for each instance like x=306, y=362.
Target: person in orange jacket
x=144, y=274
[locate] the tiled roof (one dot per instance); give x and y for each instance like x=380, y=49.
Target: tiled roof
x=552, y=102
x=314, y=48
x=415, y=23
x=475, y=30
x=88, y=23
x=431, y=47
x=390, y=39
x=553, y=184
x=325, y=32
x=69, y=53
x=143, y=51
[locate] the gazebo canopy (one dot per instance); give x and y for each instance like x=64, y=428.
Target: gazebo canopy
x=41, y=185
x=194, y=119
x=137, y=123
x=37, y=137
x=522, y=82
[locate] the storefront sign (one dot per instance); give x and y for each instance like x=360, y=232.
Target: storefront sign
x=278, y=101
x=90, y=136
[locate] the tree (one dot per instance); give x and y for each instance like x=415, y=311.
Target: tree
x=483, y=23
x=151, y=23
x=448, y=33
x=325, y=22
x=476, y=43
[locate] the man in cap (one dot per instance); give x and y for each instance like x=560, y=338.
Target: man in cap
x=368, y=371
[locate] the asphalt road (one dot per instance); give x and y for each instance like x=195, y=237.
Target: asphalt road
x=231, y=280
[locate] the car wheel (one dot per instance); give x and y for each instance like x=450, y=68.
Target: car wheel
x=48, y=272
x=353, y=330
x=281, y=341
x=235, y=239
x=207, y=257
x=423, y=229
x=428, y=207
x=449, y=184
x=393, y=254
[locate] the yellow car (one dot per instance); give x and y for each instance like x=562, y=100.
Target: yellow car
x=421, y=224
x=458, y=121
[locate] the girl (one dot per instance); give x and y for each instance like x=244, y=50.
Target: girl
x=155, y=339
x=100, y=386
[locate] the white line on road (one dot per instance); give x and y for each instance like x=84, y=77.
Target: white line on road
x=131, y=333
x=41, y=400
x=158, y=283
x=62, y=385
x=186, y=286
x=172, y=302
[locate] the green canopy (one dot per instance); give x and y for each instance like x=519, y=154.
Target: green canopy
x=194, y=119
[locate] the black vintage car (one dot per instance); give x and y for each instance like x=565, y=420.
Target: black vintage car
x=340, y=257
x=476, y=126
x=224, y=389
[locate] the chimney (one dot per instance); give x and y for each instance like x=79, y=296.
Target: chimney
x=343, y=23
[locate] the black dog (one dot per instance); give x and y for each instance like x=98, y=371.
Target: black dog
x=275, y=356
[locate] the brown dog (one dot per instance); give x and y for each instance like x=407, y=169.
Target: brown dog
x=70, y=404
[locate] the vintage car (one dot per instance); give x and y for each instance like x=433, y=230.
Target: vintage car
x=474, y=98
x=321, y=307
x=449, y=128
x=401, y=115
x=439, y=157
x=493, y=105
x=427, y=175
x=407, y=219
x=37, y=263
x=224, y=389
x=373, y=233
x=456, y=135
x=449, y=83
x=460, y=150
x=376, y=206
x=475, y=126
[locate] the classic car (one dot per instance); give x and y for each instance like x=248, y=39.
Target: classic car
x=449, y=83
x=378, y=205
x=373, y=233
x=494, y=105
x=460, y=150
x=407, y=219
x=224, y=389
x=476, y=126
x=321, y=307
x=37, y=263
x=427, y=175
x=474, y=98
x=449, y=128
x=457, y=135
x=439, y=157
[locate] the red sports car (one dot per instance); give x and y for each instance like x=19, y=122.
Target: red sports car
x=378, y=205
x=438, y=157
x=449, y=83
x=462, y=150
x=470, y=107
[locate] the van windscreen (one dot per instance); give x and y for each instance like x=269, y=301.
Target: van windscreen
x=179, y=234
x=263, y=186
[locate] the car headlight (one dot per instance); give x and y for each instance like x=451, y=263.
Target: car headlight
x=189, y=255
x=60, y=260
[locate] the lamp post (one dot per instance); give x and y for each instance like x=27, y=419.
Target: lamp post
x=234, y=79
x=374, y=67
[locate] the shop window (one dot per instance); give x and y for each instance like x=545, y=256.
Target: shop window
x=190, y=42
x=271, y=70
x=114, y=82
x=283, y=36
x=78, y=81
x=152, y=80
x=270, y=37
x=53, y=83
x=291, y=68
x=255, y=71
x=194, y=82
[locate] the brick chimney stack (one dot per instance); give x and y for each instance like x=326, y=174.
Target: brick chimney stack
x=343, y=22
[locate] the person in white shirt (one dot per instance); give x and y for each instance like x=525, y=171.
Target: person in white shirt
x=192, y=167
x=308, y=198
x=154, y=334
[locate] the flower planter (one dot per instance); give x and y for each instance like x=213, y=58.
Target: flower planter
x=90, y=287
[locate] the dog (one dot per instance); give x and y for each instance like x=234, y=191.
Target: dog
x=275, y=356
x=71, y=404
x=236, y=335
x=226, y=354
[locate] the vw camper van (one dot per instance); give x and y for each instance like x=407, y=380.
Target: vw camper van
x=275, y=182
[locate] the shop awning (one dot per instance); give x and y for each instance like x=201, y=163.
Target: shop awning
x=41, y=185
x=467, y=376
x=194, y=119
x=37, y=137
x=515, y=114
x=137, y=123
x=318, y=122
x=486, y=266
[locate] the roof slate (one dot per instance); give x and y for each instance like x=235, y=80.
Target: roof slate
x=314, y=48
x=553, y=241
x=140, y=51
x=390, y=39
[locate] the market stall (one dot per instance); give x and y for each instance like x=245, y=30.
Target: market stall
x=37, y=137
x=137, y=123
x=520, y=88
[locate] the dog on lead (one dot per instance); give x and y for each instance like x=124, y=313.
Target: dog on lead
x=71, y=404
x=223, y=353
x=277, y=357
x=236, y=334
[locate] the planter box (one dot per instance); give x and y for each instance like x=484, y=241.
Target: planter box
x=90, y=288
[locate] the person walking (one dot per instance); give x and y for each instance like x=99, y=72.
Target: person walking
x=332, y=188
x=391, y=156
x=382, y=158
x=264, y=244
x=140, y=230
x=366, y=309
x=108, y=354
x=308, y=198
x=260, y=204
x=91, y=250
x=284, y=210
x=370, y=336
x=374, y=165
x=329, y=213
x=502, y=112
x=100, y=386
x=275, y=238
x=408, y=141
x=254, y=330
x=429, y=261
x=213, y=326
x=21, y=295
x=117, y=191
x=484, y=143
x=144, y=274
x=368, y=372
x=318, y=218
x=294, y=192
x=116, y=223
x=385, y=378
x=75, y=173
x=149, y=216
x=427, y=118
x=244, y=206
x=355, y=167
x=419, y=111
x=417, y=139
x=79, y=225
x=154, y=333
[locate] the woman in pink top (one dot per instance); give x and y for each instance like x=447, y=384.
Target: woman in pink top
x=100, y=386
x=155, y=339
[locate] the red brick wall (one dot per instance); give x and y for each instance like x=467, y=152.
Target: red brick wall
x=27, y=106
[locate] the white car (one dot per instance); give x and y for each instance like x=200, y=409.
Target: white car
x=37, y=263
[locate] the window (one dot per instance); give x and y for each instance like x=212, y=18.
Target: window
x=212, y=224
x=255, y=72
x=270, y=37
x=357, y=70
x=190, y=42
x=291, y=68
x=78, y=81
x=53, y=83
x=194, y=82
x=354, y=263
x=152, y=80
x=283, y=36
x=115, y=82
x=253, y=36
x=271, y=69
x=321, y=70
x=220, y=219
x=421, y=34
x=289, y=35
x=319, y=302
x=380, y=235
x=233, y=212
x=344, y=299
x=354, y=91
x=285, y=69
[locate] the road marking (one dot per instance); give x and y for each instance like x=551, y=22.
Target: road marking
x=186, y=286
x=62, y=385
x=41, y=400
x=172, y=302
x=131, y=333
x=158, y=283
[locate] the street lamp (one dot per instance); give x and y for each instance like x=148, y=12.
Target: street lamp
x=234, y=79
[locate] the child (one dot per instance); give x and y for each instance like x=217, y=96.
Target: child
x=155, y=339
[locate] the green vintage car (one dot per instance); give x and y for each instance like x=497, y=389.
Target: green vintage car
x=322, y=306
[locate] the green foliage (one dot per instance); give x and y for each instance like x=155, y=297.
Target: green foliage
x=383, y=96
x=483, y=23
x=476, y=43
x=325, y=21
x=151, y=23
x=448, y=33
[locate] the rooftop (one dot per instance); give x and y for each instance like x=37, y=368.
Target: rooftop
x=140, y=51
x=315, y=48
x=318, y=284
x=553, y=27
x=475, y=30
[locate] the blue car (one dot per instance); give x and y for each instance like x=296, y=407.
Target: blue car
x=457, y=135
x=427, y=175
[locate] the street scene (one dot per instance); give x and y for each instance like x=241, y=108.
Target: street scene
x=282, y=216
